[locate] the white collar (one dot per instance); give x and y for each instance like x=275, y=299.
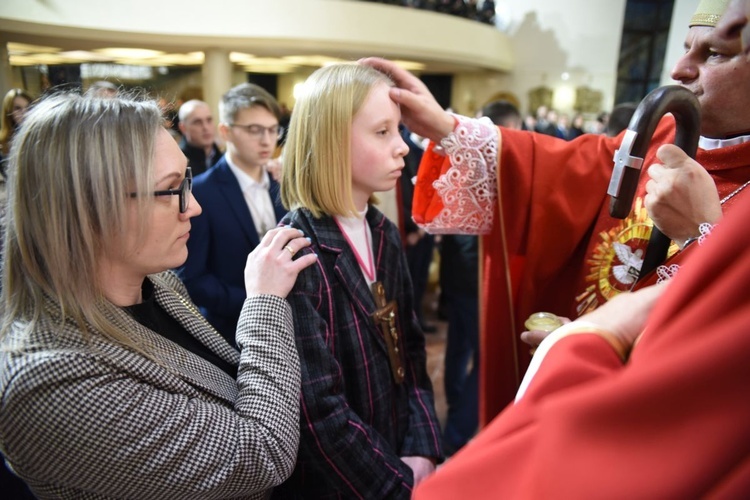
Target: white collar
x=708, y=143
x=353, y=222
x=244, y=179
x=359, y=237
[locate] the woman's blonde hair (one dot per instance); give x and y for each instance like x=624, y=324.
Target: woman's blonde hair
x=73, y=164
x=317, y=171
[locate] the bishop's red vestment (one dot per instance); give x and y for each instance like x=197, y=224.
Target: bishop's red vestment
x=550, y=244
x=670, y=422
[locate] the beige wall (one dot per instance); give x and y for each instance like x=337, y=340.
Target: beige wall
x=539, y=40
x=339, y=28
x=683, y=11
x=343, y=28
x=550, y=37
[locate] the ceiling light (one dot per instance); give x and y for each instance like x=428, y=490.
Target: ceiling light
x=37, y=59
x=316, y=60
x=23, y=61
x=191, y=59
x=409, y=65
x=84, y=55
x=129, y=53
x=269, y=68
x=240, y=57
x=116, y=71
x=25, y=48
x=269, y=61
x=298, y=89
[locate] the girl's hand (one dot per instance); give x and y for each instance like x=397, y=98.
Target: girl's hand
x=421, y=467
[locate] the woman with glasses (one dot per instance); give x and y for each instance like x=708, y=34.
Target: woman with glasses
x=113, y=384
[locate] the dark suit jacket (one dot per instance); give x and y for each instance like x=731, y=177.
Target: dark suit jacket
x=459, y=264
x=411, y=167
x=197, y=157
x=356, y=422
x=220, y=240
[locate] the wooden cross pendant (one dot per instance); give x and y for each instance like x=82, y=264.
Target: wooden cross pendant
x=385, y=317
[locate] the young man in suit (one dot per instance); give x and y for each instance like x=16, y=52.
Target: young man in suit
x=240, y=203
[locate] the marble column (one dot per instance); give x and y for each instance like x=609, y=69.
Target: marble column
x=217, y=78
x=6, y=78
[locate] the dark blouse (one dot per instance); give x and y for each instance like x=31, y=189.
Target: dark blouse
x=151, y=315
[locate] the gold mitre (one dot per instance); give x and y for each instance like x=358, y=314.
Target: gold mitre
x=708, y=12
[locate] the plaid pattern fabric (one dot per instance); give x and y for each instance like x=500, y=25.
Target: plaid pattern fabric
x=356, y=422
x=96, y=420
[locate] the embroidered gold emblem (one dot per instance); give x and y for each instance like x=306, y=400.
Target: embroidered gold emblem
x=616, y=260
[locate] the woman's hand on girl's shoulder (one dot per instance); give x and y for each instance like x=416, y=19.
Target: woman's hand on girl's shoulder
x=272, y=267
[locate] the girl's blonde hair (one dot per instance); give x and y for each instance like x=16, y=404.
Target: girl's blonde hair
x=317, y=172
x=73, y=164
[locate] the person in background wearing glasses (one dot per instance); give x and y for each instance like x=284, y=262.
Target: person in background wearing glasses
x=240, y=203
x=113, y=384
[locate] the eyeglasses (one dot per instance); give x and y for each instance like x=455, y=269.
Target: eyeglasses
x=259, y=131
x=183, y=191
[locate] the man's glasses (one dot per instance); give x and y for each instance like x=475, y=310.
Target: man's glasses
x=259, y=131
x=183, y=191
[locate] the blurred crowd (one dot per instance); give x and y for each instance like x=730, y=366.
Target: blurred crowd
x=477, y=10
x=548, y=121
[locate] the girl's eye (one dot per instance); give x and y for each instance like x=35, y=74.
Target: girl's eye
x=382, y=132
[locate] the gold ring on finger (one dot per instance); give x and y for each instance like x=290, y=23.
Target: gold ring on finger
x=291, y=250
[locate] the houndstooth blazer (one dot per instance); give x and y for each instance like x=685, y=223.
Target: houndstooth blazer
x=93, y=419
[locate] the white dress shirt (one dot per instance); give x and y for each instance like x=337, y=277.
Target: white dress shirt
x=257, y=197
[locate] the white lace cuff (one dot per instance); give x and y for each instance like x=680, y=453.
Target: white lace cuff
x=468, y=189
x=666, y=273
